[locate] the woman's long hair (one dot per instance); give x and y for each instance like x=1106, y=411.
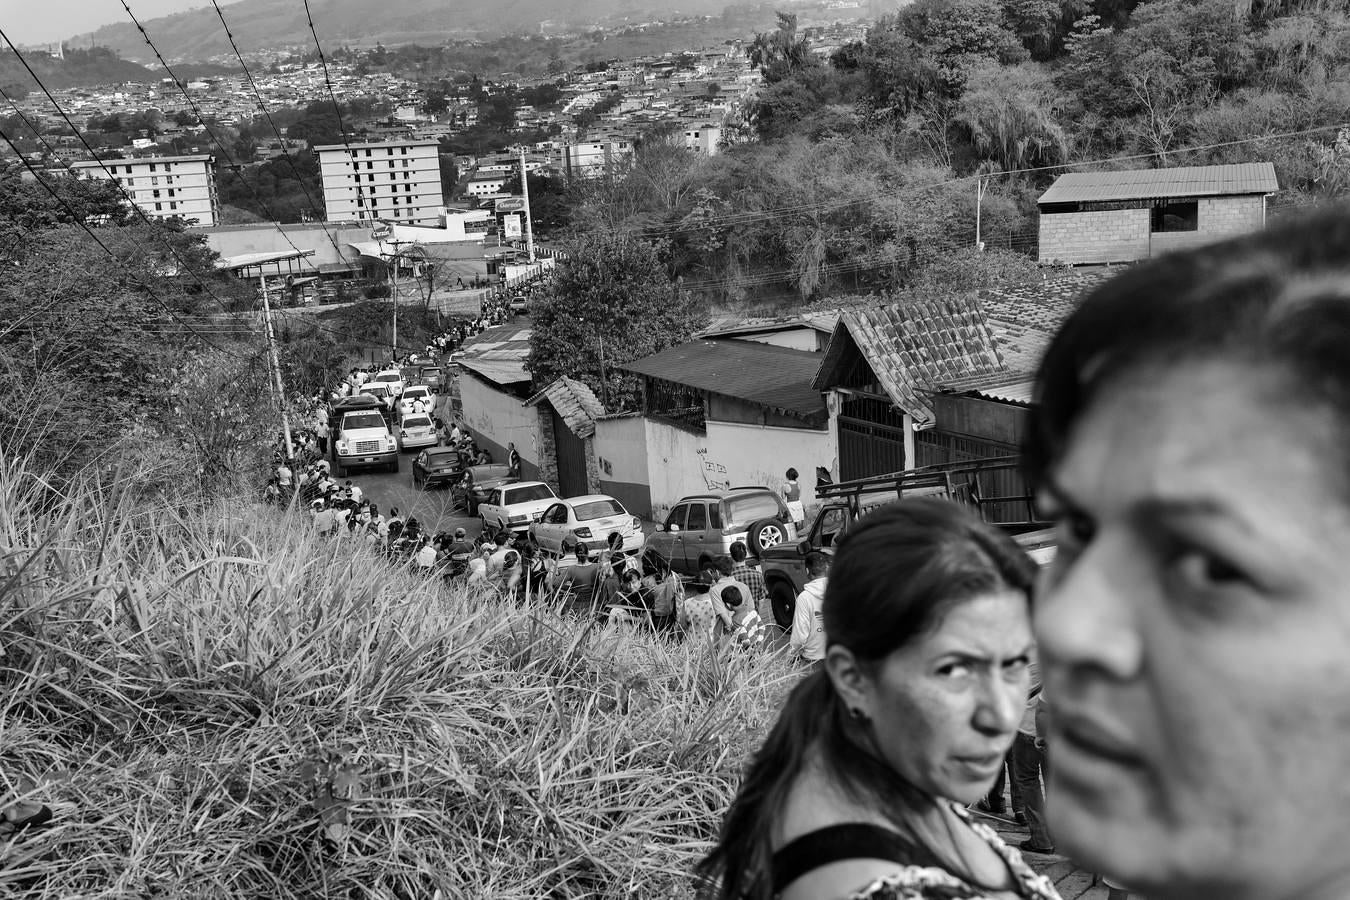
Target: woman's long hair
x=895, y=575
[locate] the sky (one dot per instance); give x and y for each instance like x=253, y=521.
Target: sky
x=39, y=21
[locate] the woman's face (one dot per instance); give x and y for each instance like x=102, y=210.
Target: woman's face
x=1194, y=635
x=945, y=708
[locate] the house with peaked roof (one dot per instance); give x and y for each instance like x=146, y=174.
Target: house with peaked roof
x=881, y=366
x=717, y=413
x=493, y=387
x=1111, y=217
x=567, y=412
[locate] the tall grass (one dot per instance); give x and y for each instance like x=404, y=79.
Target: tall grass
x=217, y=703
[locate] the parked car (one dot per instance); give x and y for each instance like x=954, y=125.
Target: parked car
x=416, y=431
x=436, y=467
x=412, y=394
x=392, y=378
x=363, y=441
x=480, y=481
x=515, y=506
x=704, y=526
x=591, y=520
x=433, y=377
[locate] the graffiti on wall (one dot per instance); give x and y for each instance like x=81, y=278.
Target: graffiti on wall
x=714, y=473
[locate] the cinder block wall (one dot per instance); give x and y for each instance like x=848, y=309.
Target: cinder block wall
x=1095, y=237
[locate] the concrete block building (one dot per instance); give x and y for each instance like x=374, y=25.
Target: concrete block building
x=399, y=181
x=164, y=187
x=1115, y=217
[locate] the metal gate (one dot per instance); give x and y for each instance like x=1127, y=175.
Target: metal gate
x=871, y=438
x=571, y=453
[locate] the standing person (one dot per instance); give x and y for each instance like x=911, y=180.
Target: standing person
x=751, y=577
x=792, y=493
x=580, y=583
x=512, y=461
x=1029, y=765
x=859, y=790
x=1190, y=442
x=808, y=617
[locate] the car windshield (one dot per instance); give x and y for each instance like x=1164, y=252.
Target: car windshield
x=598, y=509
x=389, y=377
x=427, y=372
x=528, y=493
x=377, y=390
x=482, y=473
x=744, y=510
x=363, y=420
x=414, y=393
x=443, y=458
x=416, y=422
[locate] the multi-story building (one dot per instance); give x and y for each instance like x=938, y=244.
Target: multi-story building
x=164, y=187
x=585, y=159
x=702, y=137
x=395, y=180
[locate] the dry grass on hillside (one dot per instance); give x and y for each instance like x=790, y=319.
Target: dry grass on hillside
x=218, y=704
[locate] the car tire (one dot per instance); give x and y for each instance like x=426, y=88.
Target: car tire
x=784, y=603
x=766, y=533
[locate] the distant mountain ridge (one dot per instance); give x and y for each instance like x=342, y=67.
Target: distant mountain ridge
x=82, y=68
x=280, y=24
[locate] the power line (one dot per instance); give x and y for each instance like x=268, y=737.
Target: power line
x=84, y=225
x=192, y=104
x=268, y=116
x=732, y=219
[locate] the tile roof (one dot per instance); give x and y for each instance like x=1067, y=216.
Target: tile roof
x=914, y=346
x=1147, y=184
x=574, y=402
x=778, y=378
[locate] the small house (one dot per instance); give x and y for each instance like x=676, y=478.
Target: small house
x=1117, y=217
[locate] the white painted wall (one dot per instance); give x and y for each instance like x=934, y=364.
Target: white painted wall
x=752, y=454
x=497, y=419
x=674, y=465
x=798, y=338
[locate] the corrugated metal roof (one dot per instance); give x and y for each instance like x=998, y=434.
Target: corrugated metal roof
x=575, y=402
x=1147, y=184
x=914, y=346
x=498, y=354
x=778, y=378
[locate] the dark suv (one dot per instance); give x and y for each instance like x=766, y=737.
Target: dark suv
x=701, y=527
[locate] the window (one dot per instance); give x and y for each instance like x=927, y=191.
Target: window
x=1175, y=215
x=131, y=182
x=367, y=154
x=404, y=151
x=152, y=167
x=405, y=165
x=154, y=181
x=389, y=151
x=715, y=516
x=744, y=511
x=676, y=517
x=173, y=206
x=698, y=517
x=166, y=166
x=407, y=188
x=159, y=206
x=169, y=179
x=156, y=193
x=171, y=191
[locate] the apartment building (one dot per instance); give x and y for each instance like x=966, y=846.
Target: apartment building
x=164, y=187
x=596, y=157
x=395, y=180
x=702, y=137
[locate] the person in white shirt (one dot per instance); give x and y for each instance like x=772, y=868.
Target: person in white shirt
x=808, y=629
x=426, y=556
x=356, y=491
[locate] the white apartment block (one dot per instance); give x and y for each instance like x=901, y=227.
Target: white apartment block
x=399, y=181
x=164, y=187
x=588, y=158
x=702, y=138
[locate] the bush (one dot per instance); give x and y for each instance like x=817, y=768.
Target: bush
x=215, y=702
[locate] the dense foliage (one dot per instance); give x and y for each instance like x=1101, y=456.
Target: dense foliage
x=612, y=298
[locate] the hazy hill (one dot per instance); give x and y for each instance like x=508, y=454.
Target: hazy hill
x=82, y=68
x=273, y=24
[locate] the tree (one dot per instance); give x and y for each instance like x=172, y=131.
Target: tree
x=616, y=290
x=780, y=53
x=1008, y=114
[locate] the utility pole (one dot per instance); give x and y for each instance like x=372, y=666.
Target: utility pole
x=393, y=294
x=525, y=192
x=276, y=365
x=979, y=202
x=604, y=382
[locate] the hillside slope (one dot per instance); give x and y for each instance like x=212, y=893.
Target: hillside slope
x=277, y=24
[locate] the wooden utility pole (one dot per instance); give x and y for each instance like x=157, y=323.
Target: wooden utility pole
x=275, y=365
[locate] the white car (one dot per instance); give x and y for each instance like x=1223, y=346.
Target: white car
x=416, y=431
x=391, y=378
x=411, y=395
x=589, y=520
x=515, y=506
x=379, y=392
